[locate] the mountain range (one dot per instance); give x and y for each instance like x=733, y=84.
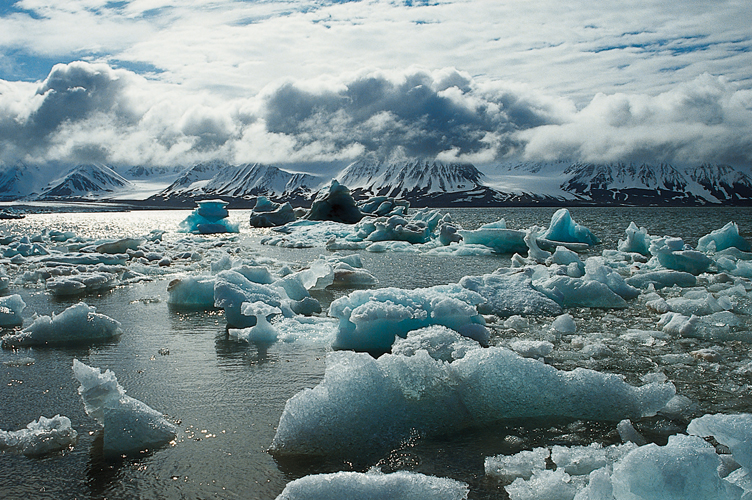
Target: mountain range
x=424, y=183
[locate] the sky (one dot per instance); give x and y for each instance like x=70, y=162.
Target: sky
x=312, y=82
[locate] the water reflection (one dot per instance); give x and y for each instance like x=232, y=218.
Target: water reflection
x=234, y=351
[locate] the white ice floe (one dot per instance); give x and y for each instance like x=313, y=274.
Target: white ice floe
x=376, y=402
x=78, y=323
x=129, y=426
x=42, y=436
x=638, y=240
x=373, y=485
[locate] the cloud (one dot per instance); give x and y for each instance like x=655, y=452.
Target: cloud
x=704, y=120
x=85, y=112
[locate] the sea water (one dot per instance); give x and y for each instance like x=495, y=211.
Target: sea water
x=226, y=396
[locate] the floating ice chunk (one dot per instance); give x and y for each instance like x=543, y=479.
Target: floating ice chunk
x=120, y=246
x=565, y=256
x=78, y=323
x=548, y=484
x=564, y=324
x=629, y=434
x=4, y=279
x=192, y=292
x=398, y=228
x=678, y=324
x=564, y=229
x=401, y=485
x=596, y=270
x=721, y=239
x=210, y=217
x=335, y=204
x=687, y=467
x=231, y=289
x=370, y=319
x=672, y=254
x=507, y=468
x=500, y=240
x=532, y=348
x=508, y=294
x=383, y=206
x=269, y=214
x=129, y=426
x=440, y=342
x=517, y=323
x=88, y=259
x=76, y=284
x=533, y=251
x=577, y=292
x=366, y=402
x=347, y=276
x=262, y=331
x=662, y=279
x=701, y=306
x=42, y=436
x=638, y=240
x=11, y=308
x=734, y=431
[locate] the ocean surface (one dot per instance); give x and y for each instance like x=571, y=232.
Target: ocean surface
x=227, y=396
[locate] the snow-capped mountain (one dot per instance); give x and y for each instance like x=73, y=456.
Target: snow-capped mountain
x=84, y=182
x=629, y=182
x=722, y=181
x=421, y=182
x=242, y=182
x=20, y=180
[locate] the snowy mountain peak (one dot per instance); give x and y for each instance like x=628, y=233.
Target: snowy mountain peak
x=85, y=181
x=410, y=178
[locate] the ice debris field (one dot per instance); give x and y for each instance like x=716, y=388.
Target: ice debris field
x=418, y=363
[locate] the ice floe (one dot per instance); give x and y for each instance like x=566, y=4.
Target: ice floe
x=374, y=484
x=78, y=323
x=129, y=426
x=42, y=436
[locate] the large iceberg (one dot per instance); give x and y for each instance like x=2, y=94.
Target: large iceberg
x=42, y=436
x=335, y=204
x=129, y=426
x=374, y=485
x=78, y=323
x=366, y=403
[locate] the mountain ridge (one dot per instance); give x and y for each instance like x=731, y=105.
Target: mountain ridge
x=422, y=182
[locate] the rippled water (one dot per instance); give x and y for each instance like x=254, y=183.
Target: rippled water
x=227, y=396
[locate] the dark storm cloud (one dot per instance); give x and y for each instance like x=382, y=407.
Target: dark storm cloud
x=423, y=113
